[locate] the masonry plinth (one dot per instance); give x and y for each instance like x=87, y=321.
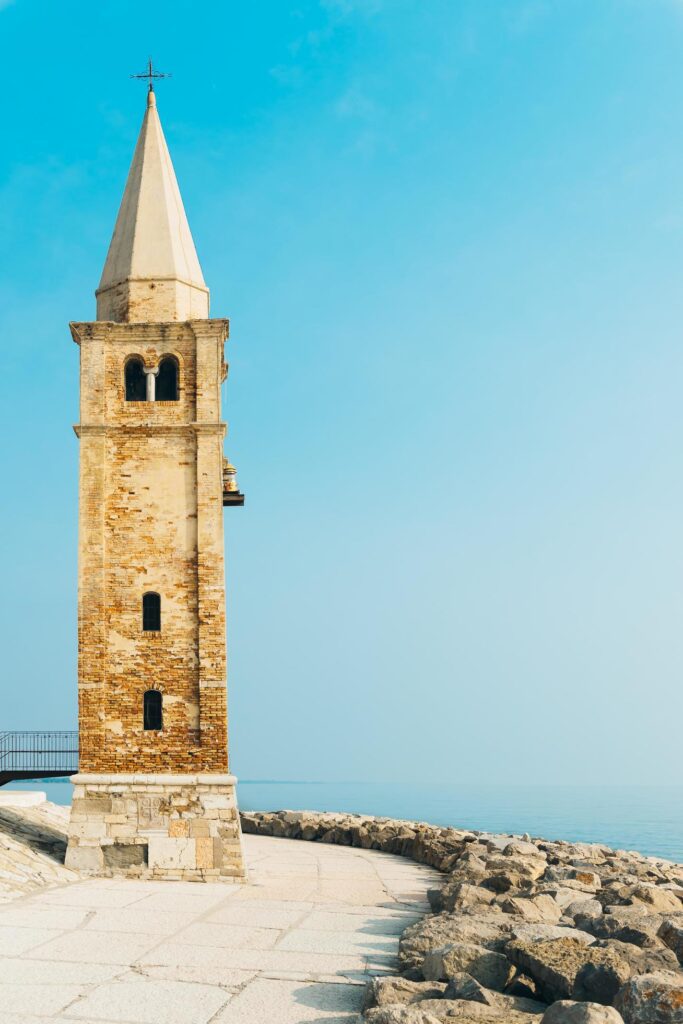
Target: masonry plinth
x=156, y=826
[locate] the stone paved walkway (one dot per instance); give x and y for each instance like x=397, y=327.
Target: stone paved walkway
x=294, y=946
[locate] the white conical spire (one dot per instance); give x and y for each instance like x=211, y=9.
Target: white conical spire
x=152, y=272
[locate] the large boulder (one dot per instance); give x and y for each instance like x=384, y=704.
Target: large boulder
x=567, y=1012
x=512, y=874
x=541, y=909
x=599, y=982
x=520, y=848
x=555, y=965
x=671, y=933
x=490, y=969
x=652, y=999
x=564, y=895
x=583, y=908
x=384, y=990
x=572, y=876
x=628, y=924
x=491, y=930
x=465, y=987
x=641, y=961
x=545, y=932
x=660, y=900
x=464, y=896
x=645, y=895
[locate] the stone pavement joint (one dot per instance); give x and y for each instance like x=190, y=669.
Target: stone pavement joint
x=294, y=946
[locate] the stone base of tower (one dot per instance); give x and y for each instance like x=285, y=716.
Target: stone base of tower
x=156, y=826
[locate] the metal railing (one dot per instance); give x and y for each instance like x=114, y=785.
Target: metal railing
x=40, y=752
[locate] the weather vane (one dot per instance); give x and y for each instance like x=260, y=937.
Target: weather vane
x=151, y=74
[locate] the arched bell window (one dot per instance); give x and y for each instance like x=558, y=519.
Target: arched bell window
x=151, y=613
x=136, y=384
x=153, y=715
x=167, y=380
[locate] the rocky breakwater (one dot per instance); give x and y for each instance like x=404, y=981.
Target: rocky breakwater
x=523, y=931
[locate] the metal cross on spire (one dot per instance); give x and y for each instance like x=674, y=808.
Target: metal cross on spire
x=151, y=74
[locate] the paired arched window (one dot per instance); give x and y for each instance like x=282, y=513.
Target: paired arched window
x=160, y=385
x=167, y=380
x=136, y=383
x=153, y=716
x=151, y=612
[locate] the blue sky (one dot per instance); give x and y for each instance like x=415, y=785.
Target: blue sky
x=449, y=235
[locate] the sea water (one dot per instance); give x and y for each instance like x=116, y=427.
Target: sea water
x=644, y=818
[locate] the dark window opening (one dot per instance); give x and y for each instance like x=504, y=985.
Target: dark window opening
x=151, y=613
x=167, y=380
x=153, y=716
x=136, y=383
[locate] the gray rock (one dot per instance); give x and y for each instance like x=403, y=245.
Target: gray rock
x=385, y=990
x=661, y=900
x=450, y=1010
x=675, y=888
x=671, y=933
x=520, y=848
x=462, y=896
x=641, y=961
x=583, y=908
x=555, y=965
x=467, y=988
x=599, y=982
x=492, y=970
x=566, y=1012
x=629, y=924
x=463, y=986
x=563, y=895
x=524, y=987
x=504, y=874
x=398, y=1013
x=652, y=999
x=490, y=930
x=545, y=932
x=540, y=909
x=435, y=897
x=584, y=878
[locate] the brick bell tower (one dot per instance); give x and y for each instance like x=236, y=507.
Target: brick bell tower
x=153, y=796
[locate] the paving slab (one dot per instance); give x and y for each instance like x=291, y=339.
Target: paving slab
x=173, y=1002
x=290, y=1002
x=296, y=944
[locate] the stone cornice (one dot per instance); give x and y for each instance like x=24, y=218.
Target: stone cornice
x=104, y=429
x=122, y=333
x=149, y=779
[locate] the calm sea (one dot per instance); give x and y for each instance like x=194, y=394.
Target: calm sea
x=648, y=819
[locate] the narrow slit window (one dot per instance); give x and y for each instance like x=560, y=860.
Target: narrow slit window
x=153, y=712
x=167, y=380
x=151, y=613
x=136, y=383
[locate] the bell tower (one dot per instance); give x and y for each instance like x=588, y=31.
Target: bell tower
x=153, y=796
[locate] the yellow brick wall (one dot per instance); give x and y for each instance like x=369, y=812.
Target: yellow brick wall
x=151, y=519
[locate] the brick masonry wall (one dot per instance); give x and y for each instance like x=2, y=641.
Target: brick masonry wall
x=151, y=519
